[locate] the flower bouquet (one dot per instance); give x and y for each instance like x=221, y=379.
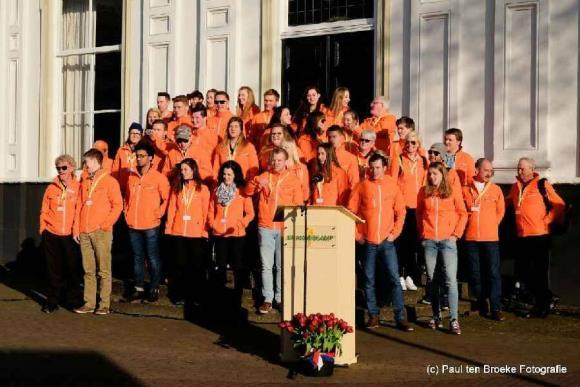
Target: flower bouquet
x=317, y=338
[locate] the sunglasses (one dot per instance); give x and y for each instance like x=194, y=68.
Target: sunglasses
x=181, y=140
x=63, y=168
x=220, y=102
x=365, y=140
x=412, y=143
x=435, y=153
x=323, y=121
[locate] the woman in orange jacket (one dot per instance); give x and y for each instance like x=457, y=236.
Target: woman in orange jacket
x=236, y=147
x=230, y=213
x=296, y=167
x=314, y=133
x=124, y=161
x=441, y=219
x=311, y=102
x=338, y=106
x=329, y=181
x=246, y=108
x=187, y=223
x=56, y=227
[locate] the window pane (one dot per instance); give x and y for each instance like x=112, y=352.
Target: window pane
x=302, y=12
x=109, y=21
x=107, y=128
x=76, y=31
x=77, y=134
x=108, y=81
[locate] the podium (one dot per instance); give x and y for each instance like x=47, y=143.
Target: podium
x=323, y=280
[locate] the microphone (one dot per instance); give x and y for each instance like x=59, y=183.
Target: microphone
x=316, y=179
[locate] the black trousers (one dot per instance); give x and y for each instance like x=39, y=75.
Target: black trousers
x=63, y=266
x=188, y=278
x=409, y=248
x=230, y=251
x=533, y=267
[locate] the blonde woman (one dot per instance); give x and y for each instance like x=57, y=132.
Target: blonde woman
x=338, y=106
x=296, y=167
x=153, y=114
x=246, y=108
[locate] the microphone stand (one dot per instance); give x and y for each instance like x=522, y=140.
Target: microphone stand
x=304, y=212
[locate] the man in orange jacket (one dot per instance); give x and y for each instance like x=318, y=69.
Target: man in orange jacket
x=191, y=144
x=259, y=123
x=218, y=124
x=380, y=203
x=56, y=227
x=383, y=123
x=163, y=99
x=181, y=113
x=276, y=187
x=347, y=161
x=534, y=214
x=456, y=158
x=485, y=209
x=145, y=203
x=99, y=208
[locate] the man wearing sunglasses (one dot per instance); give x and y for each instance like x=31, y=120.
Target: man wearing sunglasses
x=181, y=113
x=219, y=123
x=56, y=227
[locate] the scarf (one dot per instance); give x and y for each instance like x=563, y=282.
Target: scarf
x=225, y=194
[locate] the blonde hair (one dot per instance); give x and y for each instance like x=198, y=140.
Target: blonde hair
x=153, y=110
x=289, y=145
x=412, y=135
x=337, y=98
x=247, y=108
x=66, y=159
x=444, y=188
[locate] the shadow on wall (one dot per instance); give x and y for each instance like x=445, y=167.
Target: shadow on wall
x=48, y=368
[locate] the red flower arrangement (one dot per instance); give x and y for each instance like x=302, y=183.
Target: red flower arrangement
x=317, y=333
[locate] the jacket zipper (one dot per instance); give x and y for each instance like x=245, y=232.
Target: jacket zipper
x=380, y=212
x=436, y=200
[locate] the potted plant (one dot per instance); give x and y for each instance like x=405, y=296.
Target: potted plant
x=317, y=339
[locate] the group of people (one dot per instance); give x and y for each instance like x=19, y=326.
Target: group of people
x=208, y=177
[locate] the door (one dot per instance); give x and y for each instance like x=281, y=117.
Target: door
x=328, y=62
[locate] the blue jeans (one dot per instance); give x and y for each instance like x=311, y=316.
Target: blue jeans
x=448, y=250
x=271, y=254
x=486, y=255
x=387, y=253
x=146, y=243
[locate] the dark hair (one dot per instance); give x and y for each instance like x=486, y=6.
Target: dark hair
x=141, y=145
x=278, y=150
x=199, y=107
x=162, y=122
x=303, y=110
x=221, y=92
x=272, y=92
x=238, y=174
x=94, y=153
x=326, y=169
x=352, y=113
x=181, y=98
x=480, y=161
x=379, y=156
x=335, y=128
x=211, y=91
x=242, y=142
x=277, y=113
x=406, y=122
x=164, y=94
x=196, y=94
x=311, y=127
x=455, y=132
x=191, y=163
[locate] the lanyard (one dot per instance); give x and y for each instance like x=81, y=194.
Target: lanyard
x=63, y=191
x=131, y=159
x=480, y=194
x=232, y=154
x=521, y=195
x=94, y=185
x=280, y=180
x=187, y=196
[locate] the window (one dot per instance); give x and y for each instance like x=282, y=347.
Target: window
x=302, y=12
x=91, y=73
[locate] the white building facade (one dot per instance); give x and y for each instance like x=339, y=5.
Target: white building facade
x=504, y=71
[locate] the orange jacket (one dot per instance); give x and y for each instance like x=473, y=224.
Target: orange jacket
x=218, y=124
x=438, y=218
x=385, y=127
x=411, y=176
x=256, y=127
x=532, y=219
x=59, y=207
x=332, y=119
x=100, y=204
x=196, y=151
x=465, y=167
x=173, y=125
x=380, y=203
x=187, y=212
x=146, y=199
x=245, y=156
x=485, y=211
x=123, y=164
x=106, y=165
x=167, y=116
x=308, y=146
x=349, y=163
x=333, y=192
x=230, y=221
x=363, y=163
x=281, y=189
x=301, y=172
x=455, y=182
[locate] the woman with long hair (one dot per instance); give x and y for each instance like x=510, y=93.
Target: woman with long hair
x=187, y=214
x=230, y=213
x=153, y=114
x=314, y=134
x=311, y=102
x=338, y=106
x=295, y=166
x=329, y=180
x=125, y=161
x=236, y=147
x=246, y=107
x=441, y=220
x=282, y=117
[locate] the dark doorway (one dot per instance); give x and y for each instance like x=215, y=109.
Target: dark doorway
x=329, y=61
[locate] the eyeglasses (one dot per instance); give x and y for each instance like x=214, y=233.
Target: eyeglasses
x=63, y=168
x=434, y=153
x=220, y=102
x=135, y=133
x=365, y=140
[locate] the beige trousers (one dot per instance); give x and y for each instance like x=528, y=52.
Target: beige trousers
x=96, y=252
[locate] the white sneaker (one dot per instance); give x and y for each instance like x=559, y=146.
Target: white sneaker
x=403, y=284
x=410, y=284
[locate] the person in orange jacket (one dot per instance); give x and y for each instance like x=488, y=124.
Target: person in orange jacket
x=258, y=124
x=235, y=147
x=145, y=203
x=102, y=147
x=485, y=209
x=195, y=97
x=441, y=219
x=278, y=135
x=152, y=115
x=347, y=160
x=276, y=187
x=190, y=145
x=313, y=134
x=456, y=158
x=230, y=213
x=56, y=228
x=99, y=207
x=410, y=174
x=311, y=102
x=283, y=117
x=338, y=107
x=383, y=123
x=534, y=214
x=329, y=181
x=296, y=167
x=163, y=99
x=246, y=107
x=366, y=148
x=436, y=153
x=187, y=215
x=210, y=102
x=125, y=161
x=218, y=124
x=380, y=203
x=352, y=130
x=181, y=115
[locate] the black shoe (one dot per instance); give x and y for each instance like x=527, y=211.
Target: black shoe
x=49, y=308
x=153, y=295
x=135, y=295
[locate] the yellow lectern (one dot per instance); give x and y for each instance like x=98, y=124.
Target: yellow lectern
x=328, y=267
